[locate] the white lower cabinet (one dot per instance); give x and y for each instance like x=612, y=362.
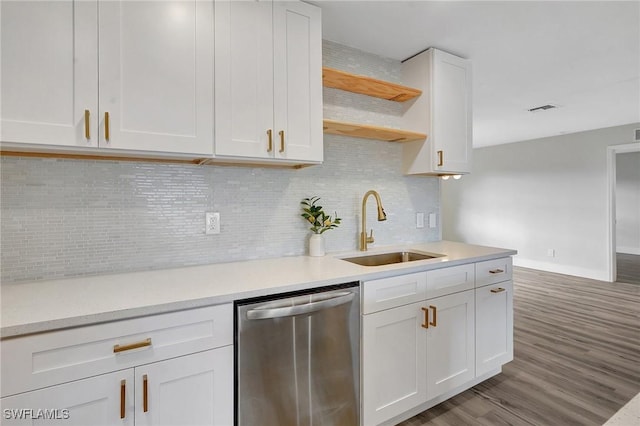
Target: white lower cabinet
x=450, y=342
x=168, y=369
x=394, y=377
x=415, y=353
x=418, y=351
x=190, y=390
x=494, y=326
x=94, y=401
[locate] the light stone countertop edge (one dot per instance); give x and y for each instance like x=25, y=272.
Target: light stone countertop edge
x=41, y=306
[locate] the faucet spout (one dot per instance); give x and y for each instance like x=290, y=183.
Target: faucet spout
x=364, y=239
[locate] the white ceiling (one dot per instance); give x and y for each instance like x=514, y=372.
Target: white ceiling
x=583, y=56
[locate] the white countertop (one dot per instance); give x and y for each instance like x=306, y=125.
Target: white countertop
x=47, y=305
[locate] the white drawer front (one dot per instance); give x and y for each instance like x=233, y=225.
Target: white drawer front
x=390, y=292
x=441, y=282
x=36, y=361
x=493, y=271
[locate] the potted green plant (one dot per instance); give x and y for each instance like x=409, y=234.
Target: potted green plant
x=320, y=223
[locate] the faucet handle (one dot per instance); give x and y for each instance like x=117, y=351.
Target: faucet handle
x=370, y=237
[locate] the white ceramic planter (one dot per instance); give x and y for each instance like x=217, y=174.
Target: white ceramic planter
x=316, y=245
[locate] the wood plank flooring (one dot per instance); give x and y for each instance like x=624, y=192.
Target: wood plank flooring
x=577, y=357
x=628, y=267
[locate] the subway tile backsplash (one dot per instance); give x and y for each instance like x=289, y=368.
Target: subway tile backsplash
x=63, y=218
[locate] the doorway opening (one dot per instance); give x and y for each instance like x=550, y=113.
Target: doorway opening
x=612, y=167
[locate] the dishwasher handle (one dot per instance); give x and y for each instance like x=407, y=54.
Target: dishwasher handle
x=289, y=311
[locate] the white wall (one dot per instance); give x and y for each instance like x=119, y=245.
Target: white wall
x=628, y=203
x=548, y=193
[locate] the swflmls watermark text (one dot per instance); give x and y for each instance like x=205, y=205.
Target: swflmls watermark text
x=35, y=414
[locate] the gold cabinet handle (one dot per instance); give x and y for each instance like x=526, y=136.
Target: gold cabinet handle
x=435, y=316
x=87, y=124
x=496, y=271
x=106, y=126
x=145, y=394
x=123, y=394
x=440, y=158
x=281, y=133
x=123, y=348
x=270, y=138
x=425, y=324
x=497, y=290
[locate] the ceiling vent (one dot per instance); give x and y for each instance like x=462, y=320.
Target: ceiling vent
x=542, y=108
x=637, y=133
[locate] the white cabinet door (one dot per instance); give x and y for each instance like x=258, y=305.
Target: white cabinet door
x=268, y=79
x=297, y=39
x=393, y=363
x=451, y=113
x=244, y=79
x=191, y=390
x=494, y=326
x=106, y=400
x=450, y=342
x=443, y=112
x=49, y=72
x=156, y=75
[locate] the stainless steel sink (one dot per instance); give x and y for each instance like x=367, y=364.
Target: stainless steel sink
x=391, y=258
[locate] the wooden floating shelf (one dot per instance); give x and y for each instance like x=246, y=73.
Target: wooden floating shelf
x=367, y=85
x=368, y=131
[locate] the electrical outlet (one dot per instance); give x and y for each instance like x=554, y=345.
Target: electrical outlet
x=432, y=220
x=551, y=252
x=419, y=220
x=212, y=223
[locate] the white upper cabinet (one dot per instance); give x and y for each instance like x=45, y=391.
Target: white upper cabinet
x=443, y=112
x=127, y=75
x=268, y=78
x=49, y=71
x=156, y=75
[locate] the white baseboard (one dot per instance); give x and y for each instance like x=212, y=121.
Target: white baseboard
x=594, y=274
x=628, y=250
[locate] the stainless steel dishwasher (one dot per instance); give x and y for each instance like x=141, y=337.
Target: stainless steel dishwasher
x=298, y=358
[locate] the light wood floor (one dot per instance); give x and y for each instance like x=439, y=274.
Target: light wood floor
x=628, y=266
x=577, y=357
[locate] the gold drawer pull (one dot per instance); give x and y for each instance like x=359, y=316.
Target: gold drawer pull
x=87, y=124
x=281, y=140
x=426, y=318
x=440, y=158
x=122, y=348
x=496, y=271
x=435, y=316
x=106, y=126
x=497, y=290
x=123, y=393
x=270, y=138
x=145, y=394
